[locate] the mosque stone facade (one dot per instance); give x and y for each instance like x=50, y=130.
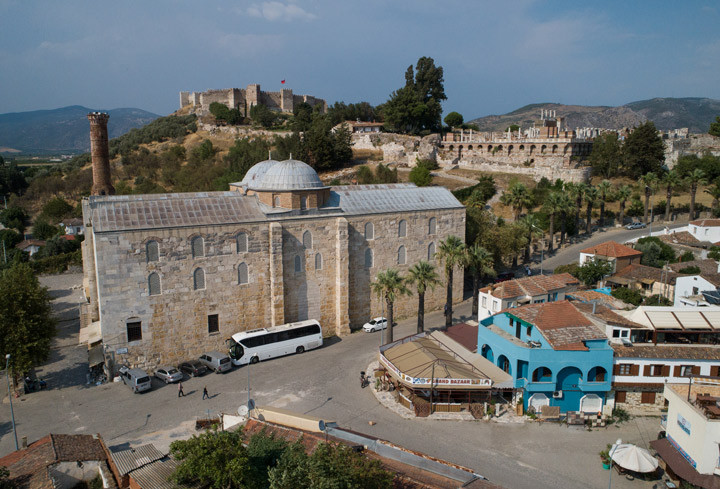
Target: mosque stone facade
x=170, y=276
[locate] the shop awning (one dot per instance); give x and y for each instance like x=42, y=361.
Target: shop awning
x=95, y=355
x=90, y=334
x=618, y=280
x=682, y=467
x=647, y=281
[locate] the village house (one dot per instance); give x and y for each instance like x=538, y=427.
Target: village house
x=647, y=280
x=619, y=255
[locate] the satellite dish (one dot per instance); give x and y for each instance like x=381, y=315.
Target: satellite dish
x=321, y=425
x=251, y=404
x=243, y=411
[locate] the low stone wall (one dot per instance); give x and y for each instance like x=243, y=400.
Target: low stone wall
x=240, y=131
x=537, y=172
x=633, y=402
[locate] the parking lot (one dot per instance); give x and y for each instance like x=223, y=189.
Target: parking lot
x=322, y=383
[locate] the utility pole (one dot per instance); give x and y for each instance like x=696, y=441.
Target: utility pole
x=12, y=413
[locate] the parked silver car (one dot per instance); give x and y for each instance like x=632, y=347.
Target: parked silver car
x=635, y=225
x=168, y=375
x=138, y=380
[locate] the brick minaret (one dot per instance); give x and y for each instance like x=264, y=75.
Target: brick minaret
x=100, y=154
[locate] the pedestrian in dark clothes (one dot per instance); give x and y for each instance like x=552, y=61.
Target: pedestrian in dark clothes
x=180, y=390
x=205, y=394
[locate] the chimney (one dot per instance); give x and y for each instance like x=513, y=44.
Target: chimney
x=100, y=154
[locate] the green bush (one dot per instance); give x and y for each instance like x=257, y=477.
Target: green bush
x=655, y=252
x=633, y=297
x=364, y=175
x=714, y=253
x=57, y=263
x=657, y=300
x=687, y=256
x=420, y=176
x=571, y=268
x=693, y=270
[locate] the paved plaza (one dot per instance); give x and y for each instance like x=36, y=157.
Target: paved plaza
x=322, y=383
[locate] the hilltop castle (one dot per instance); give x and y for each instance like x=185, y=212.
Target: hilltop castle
x=244, y=99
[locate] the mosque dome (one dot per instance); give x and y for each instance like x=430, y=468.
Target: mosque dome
x=257, y=172
x=285, y=175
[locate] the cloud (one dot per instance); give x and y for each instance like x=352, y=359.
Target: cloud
x=246, y=45
x=278, y=11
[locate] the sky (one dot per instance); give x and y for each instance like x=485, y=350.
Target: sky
x=497, y=56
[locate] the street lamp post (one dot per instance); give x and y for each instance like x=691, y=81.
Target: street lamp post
x=12, y=413
x=612, y=452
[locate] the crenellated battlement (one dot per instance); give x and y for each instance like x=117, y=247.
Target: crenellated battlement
x=244, y=99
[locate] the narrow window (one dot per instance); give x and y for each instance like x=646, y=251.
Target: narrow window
x=152, y=251
x=199, y=279
x=134, y=331
x=402, y=229
x=154, y=284
x=369, y=231
x=242, y=274
x=298, y=264
x=303, y=202
x=307, y=240
x=431, y=251
x=276, y=201
x=318, y=261
x=368, y=258
x=198, y=247
x=401, y=256
x=242, y=242
x=432, y=224
x=213, y=324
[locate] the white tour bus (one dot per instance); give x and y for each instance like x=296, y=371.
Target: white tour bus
x=264, y=343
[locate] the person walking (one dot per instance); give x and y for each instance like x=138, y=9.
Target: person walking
x=205, y=394
x=180, y=390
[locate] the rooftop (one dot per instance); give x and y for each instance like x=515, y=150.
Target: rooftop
x=644, y=273
x=706, y=223
x=660, y=351
x=707, y=266
x=531, y=286
x=285, y=175
x=676, y=318
x=611, y=249
x=465, y=334
x=599, y=297
x=606, y=315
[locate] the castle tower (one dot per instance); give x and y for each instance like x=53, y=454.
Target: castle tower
x=100, y=154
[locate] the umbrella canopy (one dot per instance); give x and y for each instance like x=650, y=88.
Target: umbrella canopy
x=634, y=458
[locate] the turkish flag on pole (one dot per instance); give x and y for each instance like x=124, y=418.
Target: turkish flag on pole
x=282, y=82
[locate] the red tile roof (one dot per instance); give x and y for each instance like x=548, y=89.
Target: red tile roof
x=706, y=223
x=531, y=286
x=465, y=334
x=561, y=323
x=639, y=272
x=611, y=249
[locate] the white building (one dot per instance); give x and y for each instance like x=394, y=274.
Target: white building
x=73, y=226
x=676, y=324
x=697, y=290
x=705, y=230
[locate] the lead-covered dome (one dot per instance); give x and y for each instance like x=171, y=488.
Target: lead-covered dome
x=286, y=175
x=255, y=174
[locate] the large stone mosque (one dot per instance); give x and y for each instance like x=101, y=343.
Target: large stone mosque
x=169, y=276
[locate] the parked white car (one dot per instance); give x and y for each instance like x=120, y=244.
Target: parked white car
x=375, y=324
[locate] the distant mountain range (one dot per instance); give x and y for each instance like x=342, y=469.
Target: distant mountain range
x=64, y=130
x=667, y=113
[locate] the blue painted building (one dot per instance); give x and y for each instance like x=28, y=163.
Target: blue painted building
x=555, y=354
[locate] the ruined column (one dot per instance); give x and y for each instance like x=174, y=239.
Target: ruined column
x=100, y=154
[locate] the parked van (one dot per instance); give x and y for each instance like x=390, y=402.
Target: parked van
x=137, y=379
x=216, y=361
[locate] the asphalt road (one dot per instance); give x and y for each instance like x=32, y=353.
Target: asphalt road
x=322, y=383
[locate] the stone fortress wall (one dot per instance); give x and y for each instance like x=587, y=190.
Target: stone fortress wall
x=681, y=143
x=245, y=98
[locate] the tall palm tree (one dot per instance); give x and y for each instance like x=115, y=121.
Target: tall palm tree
x=649, y=181
x=390, y=285
x=532, y=227
x=622, y=194
x=577, y=192
x=554, y=205
x=695, y=178
x=591, y=196
x=714, y=192
x=567, y=207
x=452, y=253
x=604, y=188
x=481, y=264
x=671, y=180
x=517, y=197
x=423, y=276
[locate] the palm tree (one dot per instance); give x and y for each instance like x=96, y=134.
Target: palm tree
x=532, y=227
x=714, y=192
x=452, y=253
x=604, y=188
x=577, y=192
x=649, y=181
x=390, y=285
x=671, y=180
x=623, y=194
x=695, y=178
x=591, y=196
x=422, y=275
x=517, y=197
x=567, y=207
x=554, y=205
x=480, y=262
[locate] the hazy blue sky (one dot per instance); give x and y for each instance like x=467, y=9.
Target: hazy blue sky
x=497, y=56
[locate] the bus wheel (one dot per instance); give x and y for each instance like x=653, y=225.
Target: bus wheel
x=300, y=349
x=254, y=359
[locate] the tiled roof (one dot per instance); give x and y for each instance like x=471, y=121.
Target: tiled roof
x=531, y=286
x=133, y=458
x=668, y=351
x=75, y=221
x=599, y=297
x=561, y=323
x=465, y=334
x=643, y=272
x=156, y=475
x=26, y=243
x=706, y=223
x=683, y=237
x=611, y=249
x=396, y=197
x=707, y=266
x=607, y=316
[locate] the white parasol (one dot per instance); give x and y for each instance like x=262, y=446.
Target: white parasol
x=634, y=458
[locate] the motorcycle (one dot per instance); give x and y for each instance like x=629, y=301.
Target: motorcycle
x=364, y=380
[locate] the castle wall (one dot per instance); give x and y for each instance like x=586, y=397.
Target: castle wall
x=219, y=96
x=243, y=99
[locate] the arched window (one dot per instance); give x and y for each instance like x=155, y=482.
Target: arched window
x=242, y=242
x=402, y=229
x=431, y=251
x=152, y=250
x=198, y=247
x=242, y=274
x=307, y=240
x=199, y=279
x=368, y=258
x=401, y=256
x=432, y=224
x=303, y=202
x=154, y=284
x=298, y=264
x=318, y=261
x=276, y=201
x=369, y=231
